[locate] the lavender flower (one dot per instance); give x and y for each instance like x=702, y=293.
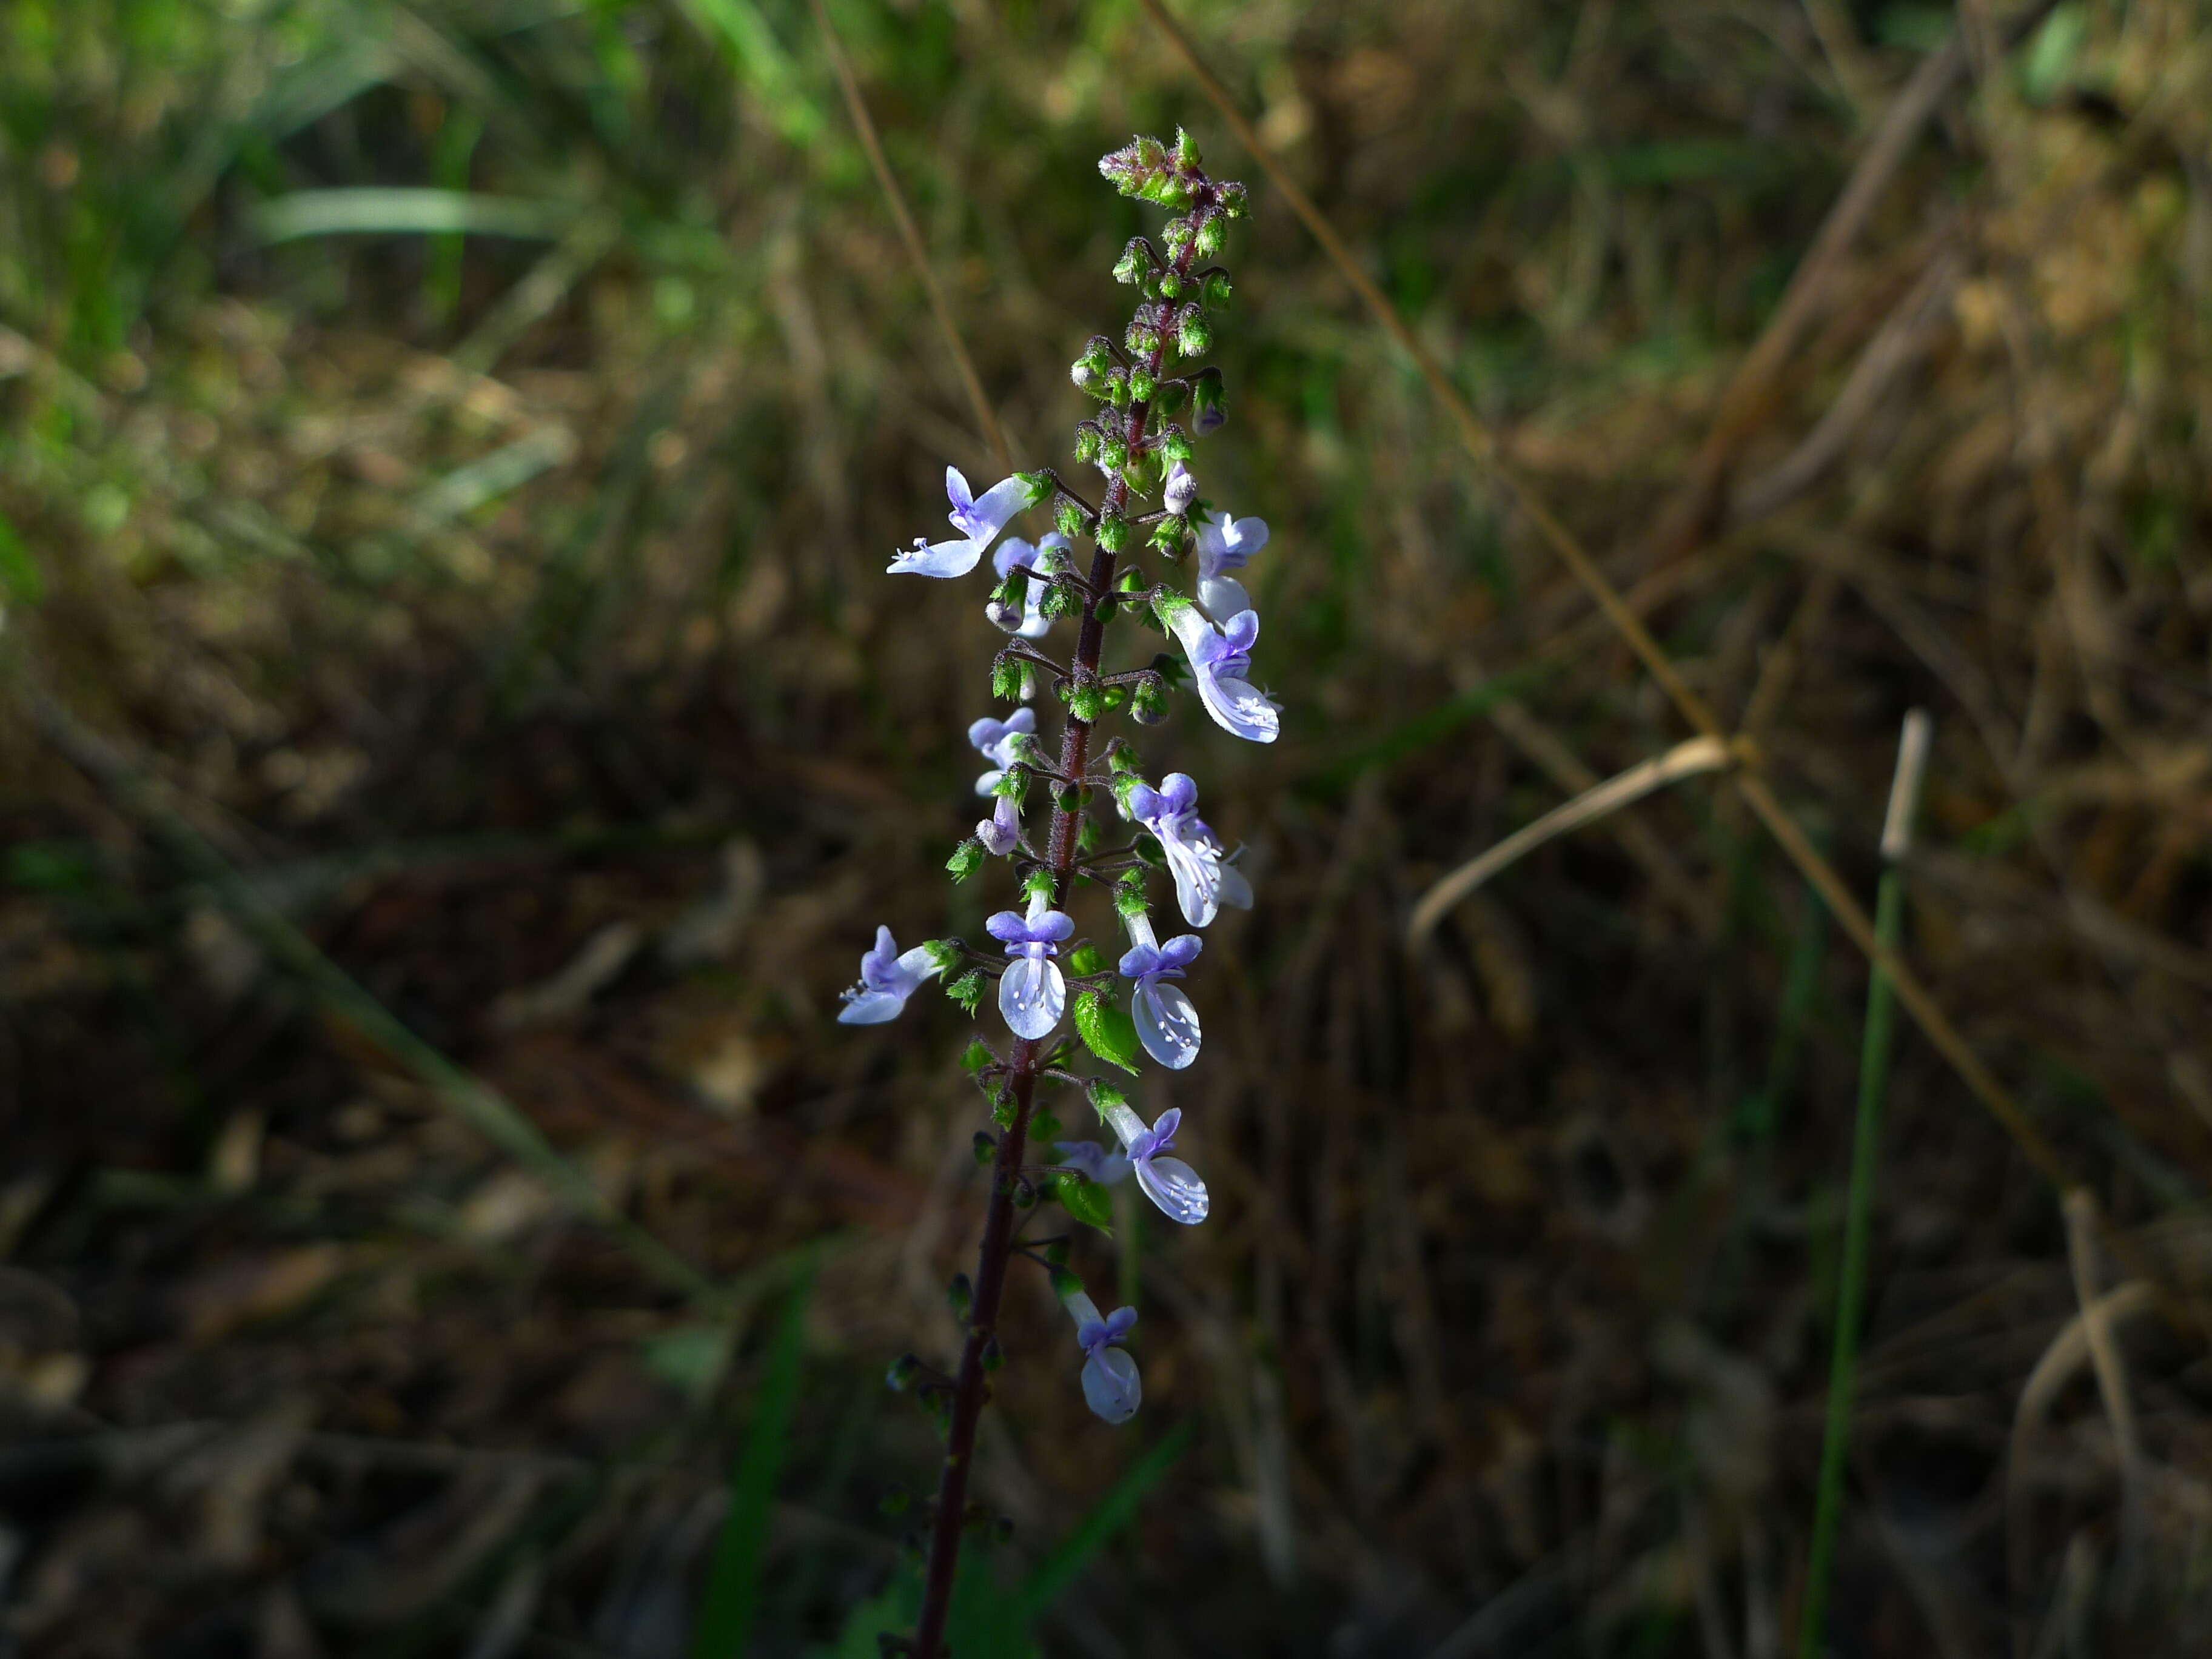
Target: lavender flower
x=1110, y=1384
x=1169, y=1182
x=1166, y=1023
x=1223, y=543
x=1205, y=880
x=1093, y=1161
x=1219, y=663
x=1027, y=621
x=978, y=519
x=888, y=978
x=1001, y=832
x=1032, y=993
x=994, y=741
x=1180, y=491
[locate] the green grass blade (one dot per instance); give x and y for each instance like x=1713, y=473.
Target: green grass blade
x=732, y=1597
x=1051, y=1577
x=1851, y=1297
x=408, y=210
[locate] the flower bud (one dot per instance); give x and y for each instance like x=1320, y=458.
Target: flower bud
x=1215, y=294
x=1085, y=377
x=986, y=1146
x=1171, y=397
x=1208, y=402
x=1142, y=339
x=960, y=1295
x=1055, y=1253
x=1133, y=264
x=1149, y=706
x=1067, y=518
x=992, y=1355
x=1213, y=232
x=1141, y=472
x=1171, y=537
x=1006, y=681
x=1234, y=201
x=1117, y=697
x=1113, y=532
x=1186, y=150
x=1113, y=455
x=945, y=953
x=1170, y=285
x=1193, y=334
x=1175, y=444
x=1086, y=704
x=1143, y=383
x=899, y=1378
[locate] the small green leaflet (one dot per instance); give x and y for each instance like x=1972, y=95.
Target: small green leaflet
x=1086, y=1200
x=1107, y=1031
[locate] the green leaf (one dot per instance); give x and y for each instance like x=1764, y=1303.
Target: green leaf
x=20, y=580
x=1086, y=1200
x=1085, y=959
x=732, y=1597
x=1107, y=1031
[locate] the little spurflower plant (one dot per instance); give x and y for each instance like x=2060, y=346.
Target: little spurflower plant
x=1157, y=552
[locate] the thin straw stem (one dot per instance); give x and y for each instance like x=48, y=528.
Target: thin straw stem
x=1858, y=1213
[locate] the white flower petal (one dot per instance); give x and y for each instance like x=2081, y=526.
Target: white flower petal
x=1111, y=1387
x=1167, y=1025
x=1197, y=875
x=1032, y=995
x=1239, y=708
x=872, y=1008
x=938, y=559
x=1175, y=1187
x=1222, y=597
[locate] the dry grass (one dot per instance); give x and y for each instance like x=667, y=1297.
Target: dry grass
x=527, y=648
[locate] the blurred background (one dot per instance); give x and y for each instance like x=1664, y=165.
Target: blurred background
x=455, y=739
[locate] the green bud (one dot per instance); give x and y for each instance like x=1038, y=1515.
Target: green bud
x=1013, y=784
x=1143, y=383
x=1038, y=483
x=976, y=1055
x=1186, y=150
x=1113, y=532
x=1129, y=894
x=992, y=1355
x=960, y=1295
x=967, y=990
x=966, y=859
x=1132, y=265
x=1087, y=443
x=1149, y=707
x=1142, y=473
x=1006, y=680
x=1097, y=354
x=1085, y=377
x=1117, y=387
x=1025, y=1196
x=1208, y=402
x=1212, y=231
x=1104, y=1097
x=1177, y=235
x=1234, y=201
x=1038, y=884
x=1113, y=455
x=1174, y=445
x=1087, y=828
x=1002, y=1108
x=986, y=1146
x=1117, y=697
x=1055, y=1253
x=1129, y=581
x=899, y=1378
x=1142, y=339
x=1122, y=763
x=1044, y=1126
x=1085, y=959
x=1149, y=852
x=1171, y=397
x=1170, y=285
x=1060, y=600
x=1215, y=294
x=1067, y=518
x=1066, y=796
x=1086, y=704
x=1150, y=154
x=1193, y=334
x=944, y=953
x=1064, y=1283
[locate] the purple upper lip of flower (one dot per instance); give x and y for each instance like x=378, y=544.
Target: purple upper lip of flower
x=1148, y=962
x=1160, y=1138
x=1022, y=937
x=1096, y=1333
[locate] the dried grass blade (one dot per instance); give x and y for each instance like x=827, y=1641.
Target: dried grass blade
x=1688, y=759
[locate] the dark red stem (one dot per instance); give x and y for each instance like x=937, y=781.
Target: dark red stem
x=969, y=1388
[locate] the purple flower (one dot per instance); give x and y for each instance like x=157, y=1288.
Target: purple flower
x=1027, y=620
x=1096, y=1164
x=994, y=741
x=1219, y=663
x=979, y=518
x=1032, y=994
x=1205, y=880
x=1001, y=832
x=1110, y=1384
x=1166, y=1023
x=1169, y=1182
x=1180, y=491
x=887, y=980
x=1223, y=543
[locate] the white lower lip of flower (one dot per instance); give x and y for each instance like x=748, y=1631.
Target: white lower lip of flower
x=1032, y=996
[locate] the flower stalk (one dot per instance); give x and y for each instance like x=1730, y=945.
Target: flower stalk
x=1141, y=452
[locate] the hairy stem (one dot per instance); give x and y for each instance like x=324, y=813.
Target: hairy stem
x=970, y=1389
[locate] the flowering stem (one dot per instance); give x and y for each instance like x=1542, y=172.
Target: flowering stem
x=970, y=1389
